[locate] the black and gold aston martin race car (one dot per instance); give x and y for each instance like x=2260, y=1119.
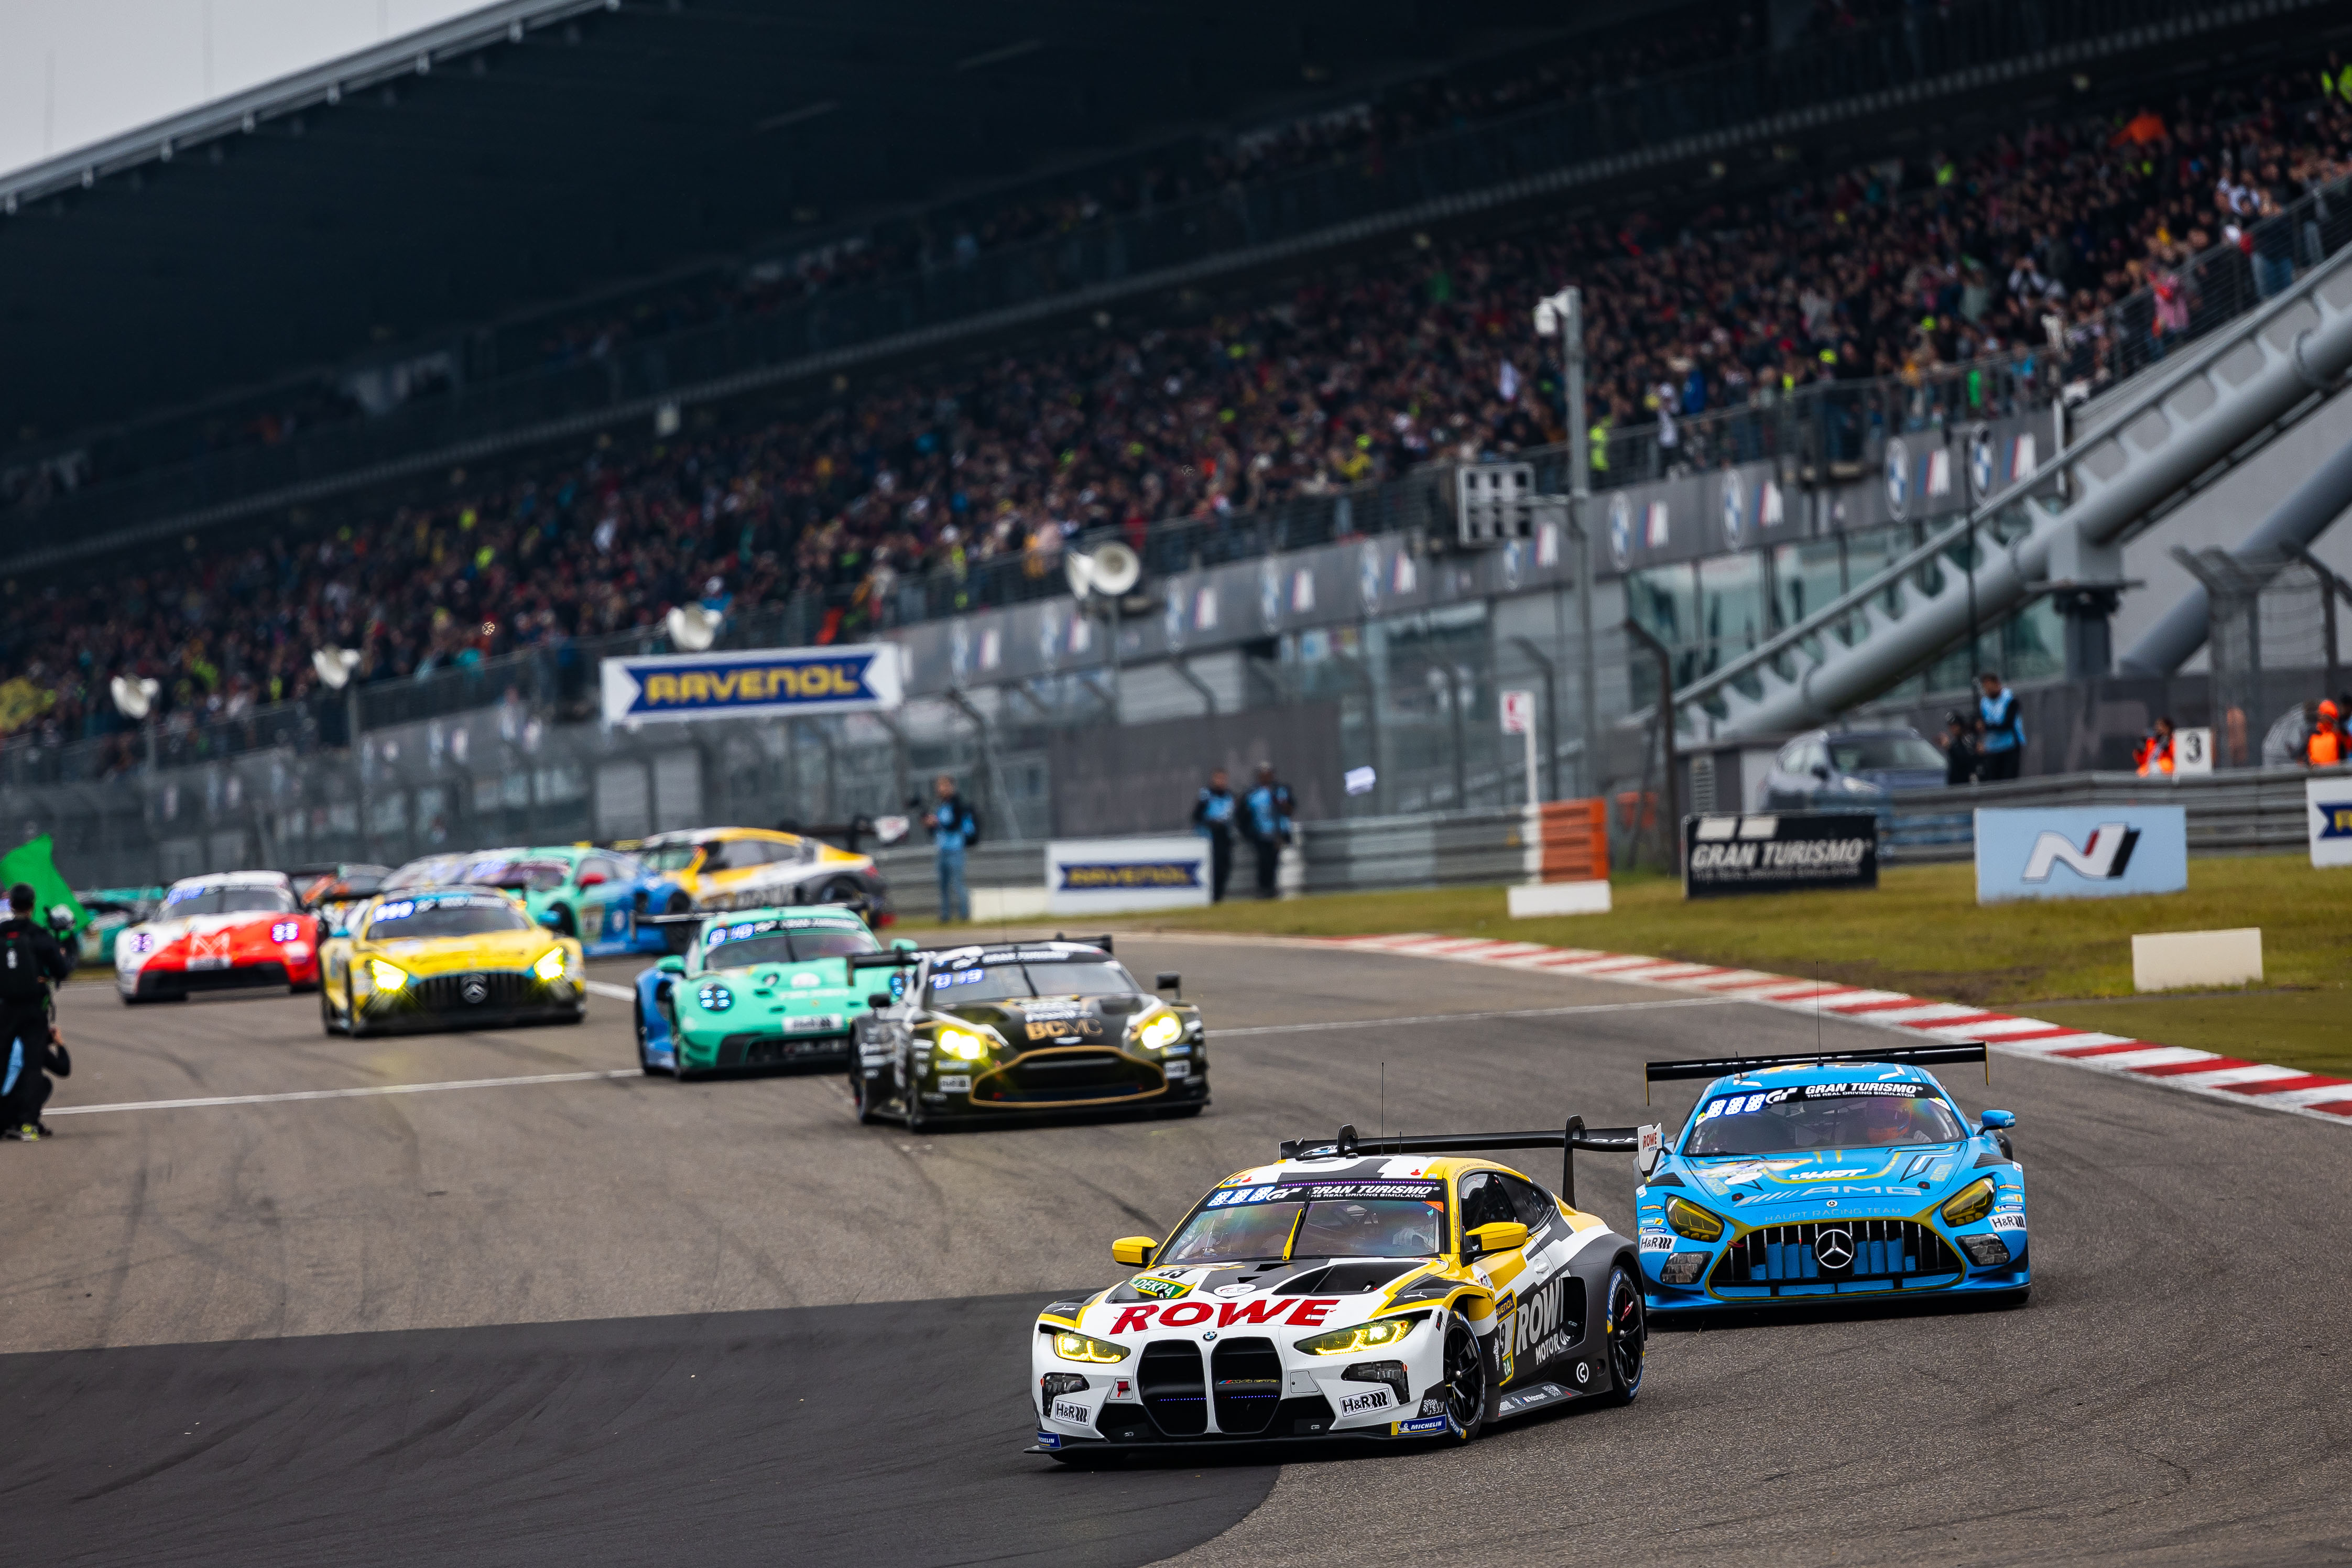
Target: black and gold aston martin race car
x=1020, y=1031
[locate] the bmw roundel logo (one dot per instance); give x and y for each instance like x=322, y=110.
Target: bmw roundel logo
x=1734, y=508
x=1620, y=529
x=1983, y=472
x=1898, y=478
x=1209, y=1335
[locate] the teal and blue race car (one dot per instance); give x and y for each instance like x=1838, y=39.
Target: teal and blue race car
x=603, y=897
x=757, y=988
x=1852, y=1175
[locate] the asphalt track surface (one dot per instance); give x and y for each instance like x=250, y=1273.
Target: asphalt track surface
x=619, y=1320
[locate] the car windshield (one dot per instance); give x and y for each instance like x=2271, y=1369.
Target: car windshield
x=183, y=902
x=1014, y=980
x=522, y=875
x=670, y=857
x=405, y=920
x=741, y=946
x=1324, y=1228
x=1822, y=1116
x=1870, y=753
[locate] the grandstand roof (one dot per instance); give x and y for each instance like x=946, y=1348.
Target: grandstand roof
x=538, y=148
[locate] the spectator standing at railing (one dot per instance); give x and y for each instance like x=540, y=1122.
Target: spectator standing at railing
x=954, y=828
x=2152, y=758
x=2002, y=726
x=1959, y=747
x=1214, y=815
x=2325, y=744
x=1267, y=818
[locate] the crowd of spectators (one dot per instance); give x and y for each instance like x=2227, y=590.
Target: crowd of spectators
x=1895, y=269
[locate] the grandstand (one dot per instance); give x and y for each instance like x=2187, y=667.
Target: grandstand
x=485, y=350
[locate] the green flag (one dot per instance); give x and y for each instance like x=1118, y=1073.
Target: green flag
x=30, y=862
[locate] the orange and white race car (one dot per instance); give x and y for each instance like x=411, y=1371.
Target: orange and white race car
x=230, y=930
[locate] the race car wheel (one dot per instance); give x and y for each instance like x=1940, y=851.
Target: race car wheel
x=1627, y=1330
x=326, y=1016
x=637, y=1016
x=1466, y=1380
x=840, y=893
x=678, y=935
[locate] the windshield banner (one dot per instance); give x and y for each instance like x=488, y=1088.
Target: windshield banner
x=1786, y=853
x=774, y=680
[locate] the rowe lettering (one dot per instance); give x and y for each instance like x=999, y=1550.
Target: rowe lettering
x=1304, y=1312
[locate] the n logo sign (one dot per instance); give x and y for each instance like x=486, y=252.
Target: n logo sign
x=2105, y=857
x=2080, y=852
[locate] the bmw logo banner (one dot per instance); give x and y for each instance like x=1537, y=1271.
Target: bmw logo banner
x=2081, y=852
x=755, y=682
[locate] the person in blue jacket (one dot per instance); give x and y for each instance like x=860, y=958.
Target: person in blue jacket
x=954, y=828
x=1266, y=818
x=2003, y=746
x=1213, y=818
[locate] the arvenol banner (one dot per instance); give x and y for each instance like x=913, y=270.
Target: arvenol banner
x=775, y=682
x=2329, y=801
x=1108, y=876
x=2081, y=852
x=1786, y=853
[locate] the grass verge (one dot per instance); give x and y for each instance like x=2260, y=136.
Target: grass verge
x=1922, y=932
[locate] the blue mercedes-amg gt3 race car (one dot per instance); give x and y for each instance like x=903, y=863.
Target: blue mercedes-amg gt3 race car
x=1844, y=1176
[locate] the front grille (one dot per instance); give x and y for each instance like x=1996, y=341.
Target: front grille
x=1049, y=1076
x=1888, y=1250
x=764, y=1049
x=447, y=993
x=1246, y=1379
x=1169, y=1379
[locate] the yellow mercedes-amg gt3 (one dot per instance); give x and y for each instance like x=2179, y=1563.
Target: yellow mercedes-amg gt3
x=447, y=958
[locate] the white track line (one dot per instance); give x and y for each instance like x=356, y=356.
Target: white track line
x=1468, y=1017
x=2315, y=1095
x=607, y=988
x=342, y=1093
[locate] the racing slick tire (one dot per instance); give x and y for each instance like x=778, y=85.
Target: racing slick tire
x=865, y=1114
x=327, y=1023
x=353, y=1025
x=678, y=935
x=1625, y=1322
x=637, y=1017
x=1466, y=1380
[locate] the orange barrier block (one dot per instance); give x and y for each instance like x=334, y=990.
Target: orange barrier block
x=1574, y=840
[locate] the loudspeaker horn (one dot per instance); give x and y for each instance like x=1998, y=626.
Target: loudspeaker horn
x=334, y=666
x=693, y=627
x=134, y=699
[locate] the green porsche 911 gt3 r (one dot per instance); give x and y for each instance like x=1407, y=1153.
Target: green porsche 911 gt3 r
x=756, y=988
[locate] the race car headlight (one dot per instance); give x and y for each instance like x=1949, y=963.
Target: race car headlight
x=1375, y=1335
x=1985, y=1251
x=1083, y=1347
x=964, y=1045
x=715, y=997
x=1970, y=1203
x=1689, y=1219
x=550, y=966
x=386, y=976
x=1158, y=1030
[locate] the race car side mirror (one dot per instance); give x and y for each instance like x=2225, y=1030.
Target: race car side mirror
x=1171, y=983
x=672, y=964
x=1997, y=1120
x=1133, y=1251
x=592, y=879
x=1500, y=1236
x=880, y=1000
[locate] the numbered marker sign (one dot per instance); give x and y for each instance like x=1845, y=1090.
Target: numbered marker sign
x=1518, y=712
x=2192, y=752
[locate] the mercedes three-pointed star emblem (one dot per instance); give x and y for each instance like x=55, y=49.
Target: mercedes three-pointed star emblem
x=1833, y=1249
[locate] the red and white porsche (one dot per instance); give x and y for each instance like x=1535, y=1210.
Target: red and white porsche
x=231, y=930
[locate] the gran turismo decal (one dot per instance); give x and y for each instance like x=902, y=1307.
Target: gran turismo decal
x=1299, y=1313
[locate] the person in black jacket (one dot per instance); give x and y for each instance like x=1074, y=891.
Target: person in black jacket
x=31, y=962
x=1213, y=818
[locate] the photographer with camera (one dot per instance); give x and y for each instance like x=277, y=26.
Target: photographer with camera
x=32, y=960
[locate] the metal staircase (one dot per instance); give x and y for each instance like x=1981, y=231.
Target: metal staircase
x=2171, y=434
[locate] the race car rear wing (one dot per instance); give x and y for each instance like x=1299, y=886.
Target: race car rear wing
x=1898, y=1055
x=1575, y=1135
x=909, y=957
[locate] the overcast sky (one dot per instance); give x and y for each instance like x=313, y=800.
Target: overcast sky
x=77, y=71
